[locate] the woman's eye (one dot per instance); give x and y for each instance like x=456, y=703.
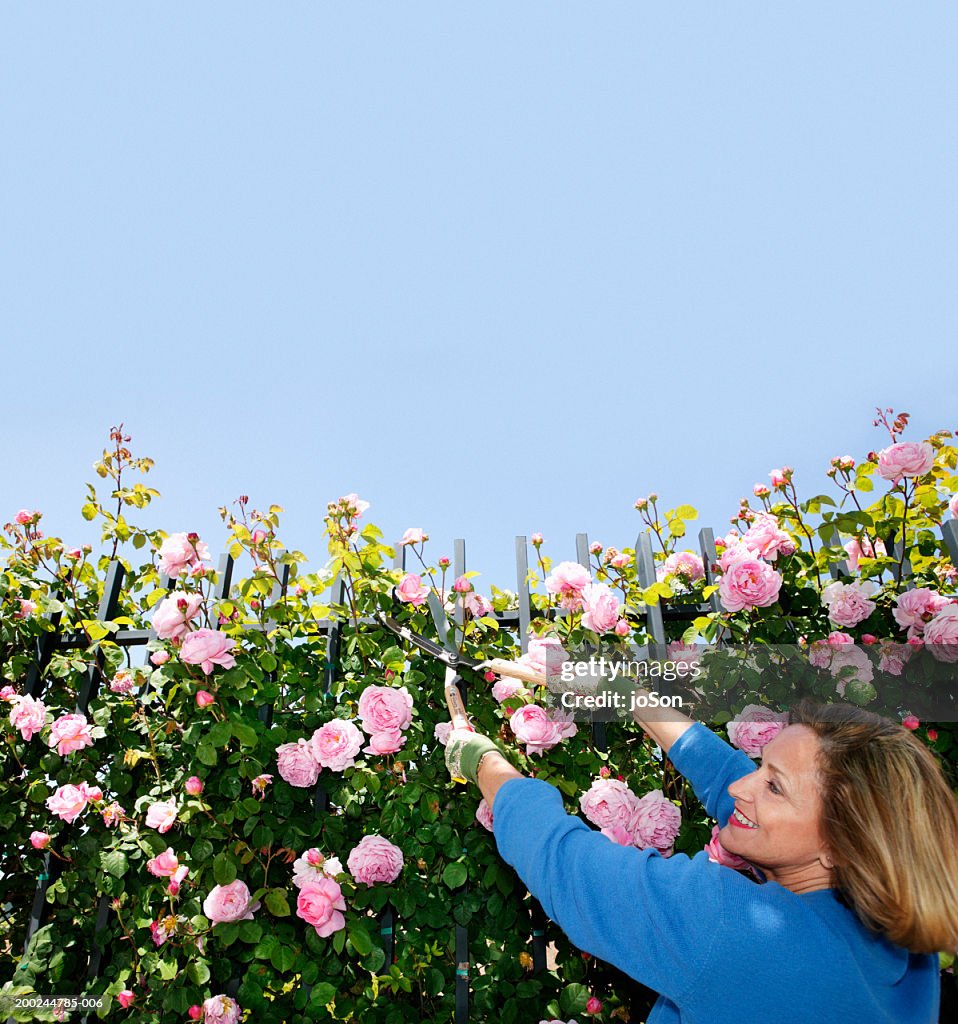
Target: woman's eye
x=773, y=786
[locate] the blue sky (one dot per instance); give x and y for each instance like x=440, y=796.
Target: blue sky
x=498, y=268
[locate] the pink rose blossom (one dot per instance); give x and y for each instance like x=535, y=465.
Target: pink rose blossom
x=385, y=708
x=754, y=726
x=536, y=540
x=539, y=732
x=441, y=732
x=313, y=866
x=907, y=458
x=910, y=722
x=112, y=814
x=859, y=549
x=67, y=803
x=622, y=627
x=159, y=658
x=414, y=535
x=180, y=551
x=477, y=605
x=719, y=855
x=161, y=815
x=749, y=584
x=733, y=551
x=260, y=783
x=568, y=580
x=374, y=860
x=336, y=744
x=685, y=564
x=69, y=733
x=8, y=693
x=779, y=478
x=893, y=657
x=914, y=609
x=506, y=688
x=40, y=840
x=91, y=794
x=354, y=504
x=208, y=648
x=619, y=835
x=24, y=517
x=953, y=506
x=849, y=604
x=165, y=865
x=123, y=682
x=172, y=618
x=193, y=785
x=28, y=715
x=228, y=903
x=766, y=539
x=194, y=1012
x=297, y=764
x=462, y=585
x=27, y=608
x=321, y=904
x=204, y=698
x=593, y=1006
x=125, y=998
x=656, y=822
x=601, y=608
x=412, y=590
x=609, y=803
x=162, y=928
x=387, y=742
x=542, y=650
x=484, y=815
x=221, y=1010
x=941, y=634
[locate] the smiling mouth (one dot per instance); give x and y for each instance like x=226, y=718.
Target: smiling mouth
x=740, y=821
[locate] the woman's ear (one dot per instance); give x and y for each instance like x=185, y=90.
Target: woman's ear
x=826, y=861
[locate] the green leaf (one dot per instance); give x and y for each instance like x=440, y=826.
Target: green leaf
x=360, y=939
x=455, y=875
x=206, y=753
x=268, y=662
x=251, y=932
x=283, y=958
x=323, y=993
x=277, y=903
x=573, y=999
x=246, y=734
x=198, y=972
x=224, y=870
x=220, y=734
x=88, y=511
x=114, y=862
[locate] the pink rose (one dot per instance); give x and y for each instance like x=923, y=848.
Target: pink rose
x=907, y=458
x=385, y=742
x=859, y=549
x=123, y=682
x=374, y=860
x=165, y=865
x=204, y=698
x=69, y=733
x=90, y=793
x=24, y=517
x=161, y=815
x=719, y=855
x=601, y=608
x=542, y=650
x=849, y=604
x=533, y=727
x=749, y=584
x=953, y=506
x=414, y=535
x=733, y=551
x=441, y=732
x=893, y=657
x=194, y=785
x=28, y=715
x=484, y=815
x=477, y=605
x=656, y=823
x=8, y=693
x=320, y=904
x=462, y=585
x=27, y=608
x=159, y=658
x=67, y=803
x=608, y=803
x=40, y=840
x=313, y=866
x=221, y=1010
x=385, y=708
x=297, y=765
x=207, y=648
x=765, y=538
x=112, y=814
x=568, y=580
x=941, y=634
x=593, y=1006
x=228, y=903
x=684, y=564
x=755, y=726
x=180, y=551
x=412, y=590
x=622, y=627
x=911, y=722
x=172, y=618
x=125, y=998
x=506, y=688
x=619, y=835
x=916, y=608
x=354, y=504
x=336, y=744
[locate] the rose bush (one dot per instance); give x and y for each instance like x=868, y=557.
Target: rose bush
x=245, y=814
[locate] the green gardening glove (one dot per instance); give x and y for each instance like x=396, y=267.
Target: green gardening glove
x=464, y=751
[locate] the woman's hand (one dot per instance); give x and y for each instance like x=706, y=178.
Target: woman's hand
x=477, y=759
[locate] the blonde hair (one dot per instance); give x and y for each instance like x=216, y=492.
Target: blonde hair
x=890, y=822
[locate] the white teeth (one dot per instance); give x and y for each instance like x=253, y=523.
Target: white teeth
x=739, y=817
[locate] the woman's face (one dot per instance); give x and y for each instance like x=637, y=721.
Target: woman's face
x=778, y=809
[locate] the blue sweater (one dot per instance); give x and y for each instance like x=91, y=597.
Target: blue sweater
x=719, y=948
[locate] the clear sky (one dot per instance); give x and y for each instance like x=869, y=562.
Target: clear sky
x=497, y=267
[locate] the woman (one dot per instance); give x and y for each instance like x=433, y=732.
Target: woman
x=849, y=819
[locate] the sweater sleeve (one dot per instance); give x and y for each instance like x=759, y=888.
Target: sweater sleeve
x=711, y=766
x=657, y=919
